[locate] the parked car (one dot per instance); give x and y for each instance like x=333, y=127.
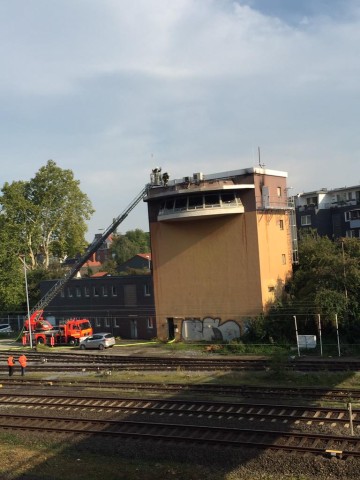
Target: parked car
x=98, y=340
x=6, y=328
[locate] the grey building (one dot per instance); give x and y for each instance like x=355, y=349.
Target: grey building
x=334, y=213
x=123, y=305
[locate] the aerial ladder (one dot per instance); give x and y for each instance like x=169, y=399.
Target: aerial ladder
x=36, y=312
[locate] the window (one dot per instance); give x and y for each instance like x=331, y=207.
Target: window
x=107, y=322
x=96, y=291
x=113, y=291
x=350, y=233
x=150, y=322
x=211, y=200
x=281, y=224
x=227, y=199
x=116, y=322
x=105, y=291
x=87, y=291
x=311, y=201
x=130, y=295
x=195, y=202
x=181, y=203
x=169, y=204
x=98, y=322
x=70, y=292
x=278, y=191
x=305, y=220
x=352, y=215
x=78, y=291
x=283, y=259
x=62, y=294
x=147, y=290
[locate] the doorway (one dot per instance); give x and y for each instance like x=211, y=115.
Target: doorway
x=171, y=329
x=133, y=329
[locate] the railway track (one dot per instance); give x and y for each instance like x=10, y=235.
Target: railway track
x=285, y=414
x=317, y=444
x=245, y=391
x=69, y=362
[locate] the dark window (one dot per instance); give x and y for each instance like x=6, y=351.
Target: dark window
x=129, y=295
x=169, y=204
x=196, y=202
x=180, y=203
x=227, y=198
x=211, y=200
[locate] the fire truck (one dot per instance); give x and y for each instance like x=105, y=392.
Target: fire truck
x=69, y=332
x=39, y=330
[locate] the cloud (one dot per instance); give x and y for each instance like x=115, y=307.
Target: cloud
x=112, y=88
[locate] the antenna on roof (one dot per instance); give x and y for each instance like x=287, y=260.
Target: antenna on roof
x=260, y=165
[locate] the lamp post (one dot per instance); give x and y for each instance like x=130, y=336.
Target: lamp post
x=22, y=257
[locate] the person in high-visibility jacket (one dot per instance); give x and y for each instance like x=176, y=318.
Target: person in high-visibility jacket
x=11, y=365
x=23, y=363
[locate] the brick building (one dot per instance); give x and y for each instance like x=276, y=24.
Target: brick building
x=222, y=248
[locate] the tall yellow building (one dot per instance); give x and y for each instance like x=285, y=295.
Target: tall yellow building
x=221, y=250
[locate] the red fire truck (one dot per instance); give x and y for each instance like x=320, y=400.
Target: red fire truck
x=70, y=332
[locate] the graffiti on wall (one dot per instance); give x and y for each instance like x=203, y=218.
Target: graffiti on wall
x=210, y=329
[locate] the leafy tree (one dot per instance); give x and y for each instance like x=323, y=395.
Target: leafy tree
x=126, y=246
x=12, y=286
x=46, y=215
x=326, y=282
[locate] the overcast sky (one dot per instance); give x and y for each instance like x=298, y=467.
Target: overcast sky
x=113, y=88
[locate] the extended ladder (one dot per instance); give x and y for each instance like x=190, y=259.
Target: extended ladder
x=96, y=244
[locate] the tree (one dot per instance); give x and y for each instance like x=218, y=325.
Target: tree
x=326, y=282
x=12, y=287
x=46, y=215
x=126, y=246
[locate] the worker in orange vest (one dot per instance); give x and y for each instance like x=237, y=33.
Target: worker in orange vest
x=11, y=365
x=22, y=361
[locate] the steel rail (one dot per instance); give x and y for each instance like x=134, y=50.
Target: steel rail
x=236, y=437
x=254, y=411
x=339, y=394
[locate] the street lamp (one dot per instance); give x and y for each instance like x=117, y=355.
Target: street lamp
x=22, y=257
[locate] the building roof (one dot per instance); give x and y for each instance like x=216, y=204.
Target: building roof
x=99, y=274
x=144, y=255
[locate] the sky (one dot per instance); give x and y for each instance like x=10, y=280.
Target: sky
x=114, y=88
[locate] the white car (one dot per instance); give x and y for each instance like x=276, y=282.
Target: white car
x=98, y=340
x=6, y=328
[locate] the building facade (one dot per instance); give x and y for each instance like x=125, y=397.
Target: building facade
x=122, y=305
x=222, y=250
x=334, y=213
